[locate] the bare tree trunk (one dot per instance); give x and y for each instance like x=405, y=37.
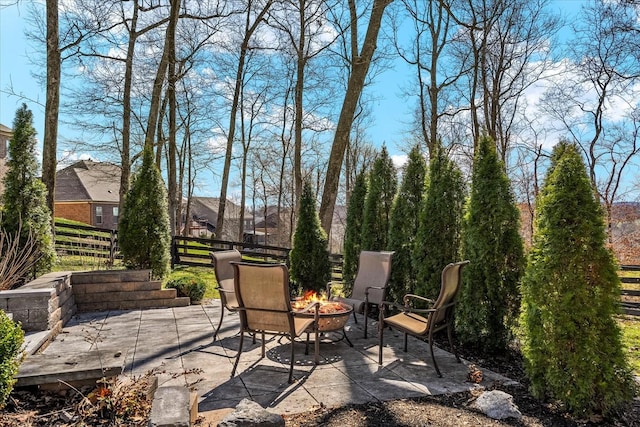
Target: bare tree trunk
x=52, y=105
x=171, y=151
x=299, y=89
x=360, y=67
x=125, y=153
x=249, y=30
x=154, y=107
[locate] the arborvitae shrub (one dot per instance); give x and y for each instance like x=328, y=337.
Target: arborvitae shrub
x=353, y=232
x=377, y=208
x=11, y=339
x=309, y=258
x=143, y=230
x=403, y=227
x=570, y=293
x=25, y=205
x=438, y=240
x=489, y=301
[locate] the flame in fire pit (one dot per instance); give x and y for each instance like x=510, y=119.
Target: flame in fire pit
x=326, y=306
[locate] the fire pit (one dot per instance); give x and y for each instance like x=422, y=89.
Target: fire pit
x=333, y=315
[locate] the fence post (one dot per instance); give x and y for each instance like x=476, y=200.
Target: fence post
x=112, y=247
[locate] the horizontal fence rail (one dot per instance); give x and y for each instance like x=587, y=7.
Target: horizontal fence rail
x=194, y=251
x=81, y=240
x=630, y=293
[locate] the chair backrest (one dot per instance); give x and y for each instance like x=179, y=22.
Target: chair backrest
x=374, y=269
x=225, y=276
x=263, y=296
x=449, y=287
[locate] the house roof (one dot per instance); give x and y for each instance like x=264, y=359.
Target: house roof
x=88, y=180
x=5, y=130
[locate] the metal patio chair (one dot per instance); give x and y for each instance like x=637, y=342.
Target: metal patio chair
x=370, y=285
x=264, y=305
x=223, y=269
x=423, y=323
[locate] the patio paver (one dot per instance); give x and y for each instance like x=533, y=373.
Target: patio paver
x=179, y=341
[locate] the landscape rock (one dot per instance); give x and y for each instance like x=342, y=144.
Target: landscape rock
x=249, y=413
x=498, y=405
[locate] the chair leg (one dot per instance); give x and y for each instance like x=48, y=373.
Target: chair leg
x=306, y=346
x=316, y=358
x=263, y=344
x=366, y=318
x=292, y=356
x=215, y=333
x=235, y=365
x=380, y=342
x=433, y=357
x=405, y=342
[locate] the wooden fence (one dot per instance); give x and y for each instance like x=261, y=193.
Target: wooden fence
x=630, y=293
x=84, y=240
x=102, y=243
x=194, y=251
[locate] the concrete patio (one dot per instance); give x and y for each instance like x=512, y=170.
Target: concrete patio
x=177, y=343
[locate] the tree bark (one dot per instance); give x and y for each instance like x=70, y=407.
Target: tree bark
x=125, y=155
x=249, y=30
x=52, y=105
x=360, y=67
x=154, y=107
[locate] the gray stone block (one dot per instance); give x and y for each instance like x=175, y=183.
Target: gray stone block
x=170, y=407
x=21, y=316
x=35, y=327
x=54, y=318
x=38, y=315
x=54, y=303
x=64, y=296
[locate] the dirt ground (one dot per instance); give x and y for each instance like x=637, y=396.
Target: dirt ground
x=125, y=405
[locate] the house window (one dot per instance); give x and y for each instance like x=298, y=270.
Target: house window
x=98, y=214
x=115, y=214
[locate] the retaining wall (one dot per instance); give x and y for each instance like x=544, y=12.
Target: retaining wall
x=46, y=303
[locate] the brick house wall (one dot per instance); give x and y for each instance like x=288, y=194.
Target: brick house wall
x=75, y=211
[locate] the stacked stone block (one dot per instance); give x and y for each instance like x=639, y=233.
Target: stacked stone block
x=46, y=303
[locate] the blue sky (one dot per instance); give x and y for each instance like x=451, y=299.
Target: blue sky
x=390, y=111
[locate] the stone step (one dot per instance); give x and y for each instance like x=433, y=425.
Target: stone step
x=103, y=287
x=106, y=276
x=71, y=369
x=125, y=296
x=132, y=305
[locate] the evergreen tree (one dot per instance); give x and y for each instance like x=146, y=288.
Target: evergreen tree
x=310, y=266
x=25, y=196
x=377, y=209
x=440, y=223
x=403, y=227
x=353, y=231
x=489, y=301
x=143, y=229
x=570, y=292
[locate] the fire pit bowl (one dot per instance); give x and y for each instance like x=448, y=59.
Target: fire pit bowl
x=333, y=315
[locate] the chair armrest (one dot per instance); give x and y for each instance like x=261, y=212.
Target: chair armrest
x=409, y=297
x=307, y=308
x=315, y=306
